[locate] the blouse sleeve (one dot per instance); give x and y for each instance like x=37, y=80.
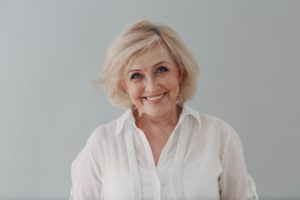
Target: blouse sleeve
x=86, y=175
x=234, y=182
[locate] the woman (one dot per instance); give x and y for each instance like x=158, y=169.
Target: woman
x=160, y=148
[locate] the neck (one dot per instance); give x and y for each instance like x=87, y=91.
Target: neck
x=169, y=118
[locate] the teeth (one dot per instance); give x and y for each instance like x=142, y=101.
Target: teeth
x=155, y=97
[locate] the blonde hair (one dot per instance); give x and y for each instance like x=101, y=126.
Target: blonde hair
x=135, y=40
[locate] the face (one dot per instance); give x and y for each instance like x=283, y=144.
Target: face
x=152, y=82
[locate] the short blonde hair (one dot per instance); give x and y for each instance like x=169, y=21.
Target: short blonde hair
x=135, y=40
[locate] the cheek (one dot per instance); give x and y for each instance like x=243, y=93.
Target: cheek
x=171, y=84
x=134, y=90
x=174, y=88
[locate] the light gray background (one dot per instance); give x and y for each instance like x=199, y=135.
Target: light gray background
x=50, y=51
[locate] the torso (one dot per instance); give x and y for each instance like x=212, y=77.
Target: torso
x=200, y=171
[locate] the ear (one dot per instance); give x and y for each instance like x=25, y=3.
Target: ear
x=123, y=83
x=180, y=73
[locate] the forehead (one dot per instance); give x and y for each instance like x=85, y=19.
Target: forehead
x=151, y=57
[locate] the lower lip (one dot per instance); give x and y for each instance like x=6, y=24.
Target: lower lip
x=155, y=101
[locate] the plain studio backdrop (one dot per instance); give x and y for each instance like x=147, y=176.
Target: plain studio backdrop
x=51, y=51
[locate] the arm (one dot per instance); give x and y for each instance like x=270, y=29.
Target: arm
x=86, y=175
x=234, y=182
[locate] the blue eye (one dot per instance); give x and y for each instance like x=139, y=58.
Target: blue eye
x=136, y=76
x=161, y=69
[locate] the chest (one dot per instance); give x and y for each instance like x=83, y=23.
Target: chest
x=157, y=138
x=199, y=175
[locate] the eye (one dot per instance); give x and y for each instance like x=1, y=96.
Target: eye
x=136, y=76
x=161, y=69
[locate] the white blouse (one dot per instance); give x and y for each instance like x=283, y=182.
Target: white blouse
x=202, y=159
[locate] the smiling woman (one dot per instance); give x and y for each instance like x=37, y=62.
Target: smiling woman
x=159, y=148
x=153, y=84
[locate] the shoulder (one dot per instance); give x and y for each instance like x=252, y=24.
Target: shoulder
x=103, y=133
x=217, y=131
x=108, y=132
x=210, y=122
x=104, y=129
x=219, y=135
x=206, y=121
x=213, y=127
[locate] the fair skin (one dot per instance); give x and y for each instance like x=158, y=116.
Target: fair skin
x=152, y=83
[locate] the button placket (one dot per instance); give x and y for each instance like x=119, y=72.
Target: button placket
x=151, y=166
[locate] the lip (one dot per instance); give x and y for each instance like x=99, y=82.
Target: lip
x=156, y=98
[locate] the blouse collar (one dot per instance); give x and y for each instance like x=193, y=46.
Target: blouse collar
x=128, y=117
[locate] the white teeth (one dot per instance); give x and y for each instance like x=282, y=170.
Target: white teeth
x=155, y=97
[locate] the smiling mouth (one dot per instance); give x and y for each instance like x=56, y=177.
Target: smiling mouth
x=155, y=98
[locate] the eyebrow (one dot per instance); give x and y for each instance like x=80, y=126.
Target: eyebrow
x=159, y=63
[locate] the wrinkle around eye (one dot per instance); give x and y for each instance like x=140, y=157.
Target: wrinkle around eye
x=161, y=69
x=136, y=76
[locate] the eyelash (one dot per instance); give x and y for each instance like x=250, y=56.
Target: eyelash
x=133, y=76
x=161, y=69
x=158, y=71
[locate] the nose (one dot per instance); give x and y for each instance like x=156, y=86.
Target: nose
x=152, y=85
